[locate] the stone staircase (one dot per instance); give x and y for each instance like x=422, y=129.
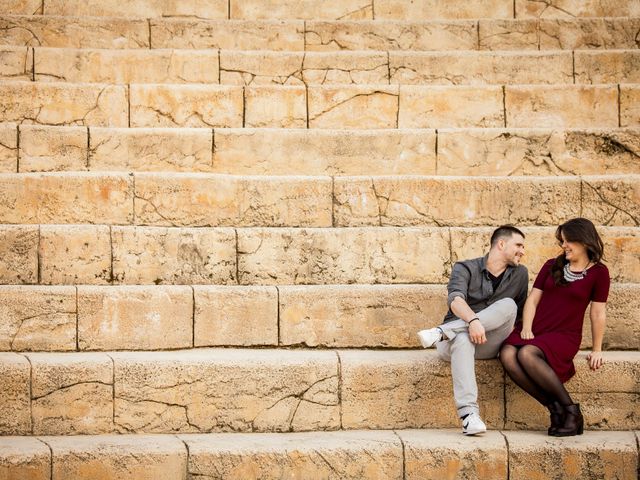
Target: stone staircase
x=223, y=221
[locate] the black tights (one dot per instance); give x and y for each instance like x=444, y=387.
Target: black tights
x=527, y=366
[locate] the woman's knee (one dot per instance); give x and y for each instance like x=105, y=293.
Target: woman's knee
x=508, y=356
x=528, y=354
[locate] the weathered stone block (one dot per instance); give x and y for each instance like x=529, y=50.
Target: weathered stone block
x=437, y=201
x=359, y=315
x=72, y=254
x=134, y=318
x=66, y=198
x=612, y=200
x=275, y=107
x=23, y=7
x=447, y=454
x=16, y=63
x=305, y=9
x=186, y=106
x=206, y=390
x=629, y=105
x=148, y=255
x=143, y=457
x=71, y=393
x=37, y=318
x=151, y=149
x=24, y=458
x=589, y=457
x=15, y=403
x=228, y=35
x=64, y=104
x=508, y=35
x=411, y=390
x=213, y=9
x=50, y=149
x=576, y=8
x=594, y=66
x=8, y=148
x=319, y=256
x=269, y=456
x=565, y=106
x=238, y=316
x=261, y=68
x=353, y=106
x=433, y=9
x=345, y=68
x=19, y=254
x=446, y=107
x=324, y=152
x=588, y=33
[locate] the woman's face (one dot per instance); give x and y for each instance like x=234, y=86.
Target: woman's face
x=573, y=250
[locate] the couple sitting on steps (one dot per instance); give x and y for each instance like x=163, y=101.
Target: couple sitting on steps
x=488, y=295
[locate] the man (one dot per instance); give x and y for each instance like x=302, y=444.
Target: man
x=486, y=295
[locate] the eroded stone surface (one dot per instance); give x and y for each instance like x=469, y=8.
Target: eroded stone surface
x=508, y=34
x=19, y=254
x=607, y=67
x=50, y=149
x=261, y=68
x=318, y=256
x=589, y=33
x=23, y=7
x=8, y=148
x=242, y=316
x=37, y=318
x=15, y=411
x=629, y=105
x=345, y=68
x=134, y=317
x=208, y=390
x=213, y=9
x=612, y=200
x=576, y=8
x=24, y=458
x=305, y=9
x=16, y=63
x=148, y=255
x=275, y=107
x=433, y=9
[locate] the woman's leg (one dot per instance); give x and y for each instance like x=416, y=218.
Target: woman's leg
x=510, y=362
x=534, y=363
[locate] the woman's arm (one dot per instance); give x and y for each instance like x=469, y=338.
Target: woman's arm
x=529, y=312
x=598, y=317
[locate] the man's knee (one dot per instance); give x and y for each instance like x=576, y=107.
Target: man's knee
x=508, y=309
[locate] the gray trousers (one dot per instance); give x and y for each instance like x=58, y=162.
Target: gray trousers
x=457, y=348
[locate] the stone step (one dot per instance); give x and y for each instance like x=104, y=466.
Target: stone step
x=322, y=106
x=414, y=33
x=276, y=390
x=359, y=454
x=217, y=200
x=126, y=255
x=102, y=318
x=250, y=151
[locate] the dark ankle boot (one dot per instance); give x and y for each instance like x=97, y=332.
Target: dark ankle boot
x=573, y=422
x=556, y=415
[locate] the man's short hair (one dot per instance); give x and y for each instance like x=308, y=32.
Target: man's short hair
x=504, y=231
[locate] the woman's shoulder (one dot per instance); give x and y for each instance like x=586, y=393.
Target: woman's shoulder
x=601, y=269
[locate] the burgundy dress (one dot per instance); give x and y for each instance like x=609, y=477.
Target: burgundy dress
x=557, y=324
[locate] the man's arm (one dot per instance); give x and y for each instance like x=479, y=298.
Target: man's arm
x=457, y=300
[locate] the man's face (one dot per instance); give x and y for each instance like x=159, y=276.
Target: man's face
x=513, y=249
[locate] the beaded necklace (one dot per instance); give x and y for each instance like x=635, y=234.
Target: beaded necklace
x=570, y=276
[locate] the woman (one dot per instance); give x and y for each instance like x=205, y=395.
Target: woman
x=538, y=355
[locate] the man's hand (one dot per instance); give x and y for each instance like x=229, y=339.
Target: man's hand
x=477, y=333
x=526, y=334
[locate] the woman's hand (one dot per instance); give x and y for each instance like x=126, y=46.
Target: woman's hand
x=595, y=360
x=526, y=334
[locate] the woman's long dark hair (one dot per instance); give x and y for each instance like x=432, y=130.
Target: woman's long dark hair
x=582, y=231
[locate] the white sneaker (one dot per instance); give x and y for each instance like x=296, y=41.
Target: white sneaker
x=473, y=425
x=428, y=338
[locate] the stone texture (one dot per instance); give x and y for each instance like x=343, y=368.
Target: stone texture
x=213, y=9
x=588, y=33
x=508, y=35
x=15, y=411
x=275, y=107
x=19, y=254
x=318, y=256
x=148, y=255
x=286, y=35
x=596, y=66
x=186, y=106
x=126, y=66
x=608, y=397
x=151, y=149
x=51, y=149
x=438, y=201
x=134, y=318
x=345, y=68
x=86, y=32
x=63, y=104
x=16, y=63
x=450, y=107
x=384, y=35
x=629, y=105
x=447, y=454
x=71, y=393
x=353, y=106
x=235, y=316
x=206, y=390
x=143, y=457
x=22, y=7
x=305, y=10
x=612, y=200
x=37, y=318
x=576, y=8
x=324, y=152
x=562, y=106
x=66, y=198
x=346, y=316
x=8, y=148
x=268, y=456
x=538, y=152
x=434, y=9
x=261, y=68
x=479, y=68
x=24, y=458
x=585, y=457
x=407, y=390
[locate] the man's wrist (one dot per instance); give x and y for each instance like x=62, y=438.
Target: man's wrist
x=473, y=320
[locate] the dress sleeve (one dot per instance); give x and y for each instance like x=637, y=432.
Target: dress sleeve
x=544, y=272
x=600, y=291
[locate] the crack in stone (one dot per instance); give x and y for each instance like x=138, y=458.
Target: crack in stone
x=158, y=416
x=23, y=320
x=333, y=107
x=615, y=207
x=549, y=4
x=67, y=387
x=326, y=461
x=361, y=9
x=20, y=27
